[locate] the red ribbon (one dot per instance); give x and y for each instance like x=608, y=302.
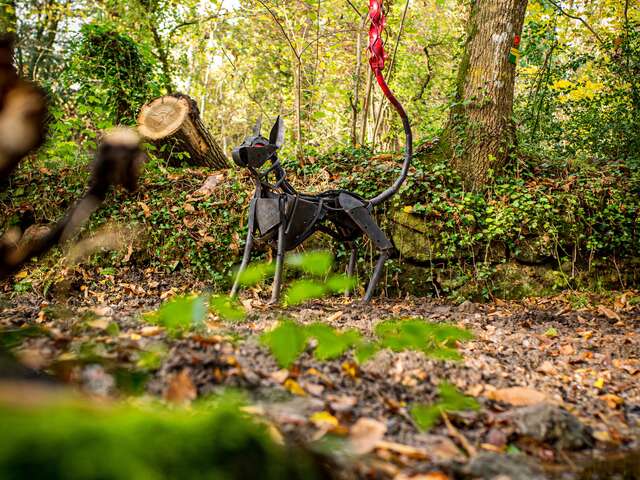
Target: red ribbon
x=377, y=56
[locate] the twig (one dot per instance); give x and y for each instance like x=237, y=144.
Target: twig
x=470, y=449
x=580, y=19
x=275, y=18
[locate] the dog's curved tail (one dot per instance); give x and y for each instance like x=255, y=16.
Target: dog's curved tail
x=376, y=60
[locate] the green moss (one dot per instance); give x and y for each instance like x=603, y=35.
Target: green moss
x=71, y=441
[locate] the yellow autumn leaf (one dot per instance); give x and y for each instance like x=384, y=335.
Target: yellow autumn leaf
x=599, y=383
x=561, y=84
x=22, y=274
x=294, y=387
x=324, y=419
x=408, y=209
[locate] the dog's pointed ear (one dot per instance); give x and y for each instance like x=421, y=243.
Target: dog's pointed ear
x=257, y=127
x=276, y=137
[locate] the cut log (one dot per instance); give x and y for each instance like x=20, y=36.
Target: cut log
x=173, y=122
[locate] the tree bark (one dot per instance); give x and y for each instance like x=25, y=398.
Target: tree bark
x=480, y=132
x=173, y=123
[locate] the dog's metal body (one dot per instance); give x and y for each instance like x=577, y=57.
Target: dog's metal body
x=286, y=217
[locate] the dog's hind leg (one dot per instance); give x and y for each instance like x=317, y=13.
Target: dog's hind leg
x=351, y=266
x=375, y=278
x=277, y=279
x=247, y=248
x=362, y=217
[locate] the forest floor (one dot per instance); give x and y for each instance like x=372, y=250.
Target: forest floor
x=558, y=383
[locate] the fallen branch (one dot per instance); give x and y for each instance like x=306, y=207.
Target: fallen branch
x=117, y=164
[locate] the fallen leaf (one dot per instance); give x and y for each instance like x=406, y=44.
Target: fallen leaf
x=145, y=209
x=343, y=403
x=613, y=401
x=294, y=387
x=324, y=420
x=517, y=396
x=607, y=312
x=151, y=331
x=423, y=476
x=209, y=185
x=350, y=369
x=280, y=376
x=547, y=367
x=602, y=436
x=314, y=389
x=100, y=323
x=365, y=435
x=599, y=383
x=181, y=390
x=405, y=450
x=567, y=349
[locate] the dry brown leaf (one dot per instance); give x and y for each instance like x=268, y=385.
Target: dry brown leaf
x=145, y=209
x=335, y=316
x=365, y=434
x=567, y=349
x=209, y=185
x=181, y=390
x=99, y=323
x=280, y=376
x=400, y=449
x=607, y=312
x=547, y=367
x=151, y=331
x=314, y=389
x=613, y=401
x=343, y=403
x=422, y=476
x=517, y=396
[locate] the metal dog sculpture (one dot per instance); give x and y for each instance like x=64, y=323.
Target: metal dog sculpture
x=287, y=217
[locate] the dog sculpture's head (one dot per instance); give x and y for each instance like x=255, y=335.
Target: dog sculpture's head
x=256, y=149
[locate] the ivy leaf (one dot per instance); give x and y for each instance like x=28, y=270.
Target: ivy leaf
x=286, y=342
x=426, y=416
x=331, y=343
x=455, y=401
x=340, y=283
x=302, y=290
x=314, y=263
x=255, y=274
x=180, y=314
x=365, y=351
x=227, y=308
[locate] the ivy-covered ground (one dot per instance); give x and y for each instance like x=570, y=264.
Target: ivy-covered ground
x=543, y=229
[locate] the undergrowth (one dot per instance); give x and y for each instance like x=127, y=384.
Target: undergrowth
x=573, y=220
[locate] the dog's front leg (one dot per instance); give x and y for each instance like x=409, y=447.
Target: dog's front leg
x=351, y=267
x=247, y=248
x=277, y=279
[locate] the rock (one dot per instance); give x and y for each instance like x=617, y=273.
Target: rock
x=551, y=424
x=491, y=466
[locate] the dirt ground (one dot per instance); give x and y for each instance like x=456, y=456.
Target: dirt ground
x=558, y=383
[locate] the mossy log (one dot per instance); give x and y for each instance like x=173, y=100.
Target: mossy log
x=173, y=122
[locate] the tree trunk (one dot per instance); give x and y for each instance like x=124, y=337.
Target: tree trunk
x=480, y=131
x=173, y=123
